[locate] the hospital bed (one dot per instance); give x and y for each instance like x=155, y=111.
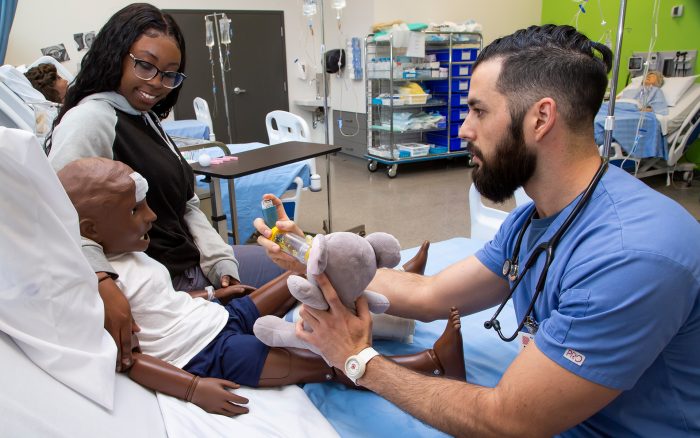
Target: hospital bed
x=663, y=138
x=36, y=402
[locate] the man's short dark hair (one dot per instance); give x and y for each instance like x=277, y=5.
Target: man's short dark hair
x=551, y=61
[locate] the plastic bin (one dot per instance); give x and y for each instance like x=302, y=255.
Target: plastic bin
x=457, y=55
x=437, y=150
x=453, y=143
x=459, y=70
x=454, y=99
x=415, y=99
x=414, y=149
x=458, y=86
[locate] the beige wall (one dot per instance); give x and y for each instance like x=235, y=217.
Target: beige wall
x=39, y=23
x=498, y=17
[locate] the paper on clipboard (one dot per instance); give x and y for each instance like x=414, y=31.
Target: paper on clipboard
x=416, y=45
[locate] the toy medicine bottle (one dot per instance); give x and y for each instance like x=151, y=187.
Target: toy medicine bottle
x=296, y=246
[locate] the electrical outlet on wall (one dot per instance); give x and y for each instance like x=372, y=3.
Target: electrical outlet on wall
x=677, y=11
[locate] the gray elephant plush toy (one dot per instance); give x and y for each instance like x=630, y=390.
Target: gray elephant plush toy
x=350, y=262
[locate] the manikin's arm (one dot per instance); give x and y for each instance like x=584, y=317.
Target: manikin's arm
x=225, y=294
x=535, y=397
x=208, y=393
x=118, y=321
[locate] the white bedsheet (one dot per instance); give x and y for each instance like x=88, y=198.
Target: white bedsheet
x=678, y=113
x=274, y=412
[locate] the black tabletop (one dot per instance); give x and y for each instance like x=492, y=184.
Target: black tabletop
x=265, y=158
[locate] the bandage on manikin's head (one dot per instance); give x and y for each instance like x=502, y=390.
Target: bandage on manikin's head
x=141, y=186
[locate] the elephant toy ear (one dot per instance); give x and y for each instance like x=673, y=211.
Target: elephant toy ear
x=387, y=249
x=318, y=256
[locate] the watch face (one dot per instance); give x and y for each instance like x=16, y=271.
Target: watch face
x=353, y=367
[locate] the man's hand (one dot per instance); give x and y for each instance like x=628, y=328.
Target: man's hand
x=213, y=396
x=337, y=332
x=226, y=294
x=272, y=249
x=118, y=321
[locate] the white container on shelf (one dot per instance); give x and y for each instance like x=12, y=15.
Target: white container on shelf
x=414, y=149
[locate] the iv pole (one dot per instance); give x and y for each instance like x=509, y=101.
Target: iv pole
x=217, y=39
x=610, y=119
x=325, y=112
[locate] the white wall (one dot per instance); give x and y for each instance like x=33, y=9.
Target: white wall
x=41, y=23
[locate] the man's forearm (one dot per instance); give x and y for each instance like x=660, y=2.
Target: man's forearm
x=453, y=406
x=407, y=294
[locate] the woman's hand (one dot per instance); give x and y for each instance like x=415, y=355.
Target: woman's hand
x=226, y=294
x=271, y=248
x=213, y=396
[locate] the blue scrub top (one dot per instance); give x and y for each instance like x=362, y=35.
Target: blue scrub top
x=621, y=304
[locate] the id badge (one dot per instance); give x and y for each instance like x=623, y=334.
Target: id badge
x=524, y=339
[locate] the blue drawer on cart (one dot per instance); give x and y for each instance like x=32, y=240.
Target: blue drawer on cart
x=458, y=86
x=457, y=55
x=453, y=143
x=459, y=70
x=455, y=114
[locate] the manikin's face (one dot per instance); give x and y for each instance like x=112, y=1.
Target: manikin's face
x=124, y=224
x=61, y=85
x=503, y=162
x=652, y=79
x=161, y=51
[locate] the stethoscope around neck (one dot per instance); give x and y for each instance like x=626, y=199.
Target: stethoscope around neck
x=512, y=270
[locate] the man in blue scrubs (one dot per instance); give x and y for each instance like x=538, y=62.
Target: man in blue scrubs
x=613, y=343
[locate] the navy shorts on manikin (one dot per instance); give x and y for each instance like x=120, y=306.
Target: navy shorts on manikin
x=235, y=353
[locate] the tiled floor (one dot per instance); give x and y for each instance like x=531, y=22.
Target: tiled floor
x=427, y=200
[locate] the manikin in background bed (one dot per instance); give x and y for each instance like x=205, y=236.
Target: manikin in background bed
x=180, y=330
x=648, y=96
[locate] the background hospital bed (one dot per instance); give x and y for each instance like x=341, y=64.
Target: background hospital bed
x=665, y=137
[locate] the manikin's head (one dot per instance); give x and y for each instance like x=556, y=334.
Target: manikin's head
x=654, y=78
x=516, y=74
x=110, y=199
x=45, y=78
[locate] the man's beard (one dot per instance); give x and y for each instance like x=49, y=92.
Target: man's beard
x=511, y=166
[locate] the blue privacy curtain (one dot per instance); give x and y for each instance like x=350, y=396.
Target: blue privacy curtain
x=7, y=14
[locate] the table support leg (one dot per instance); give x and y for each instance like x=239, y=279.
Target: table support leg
x=218, y=218
x=234, y=216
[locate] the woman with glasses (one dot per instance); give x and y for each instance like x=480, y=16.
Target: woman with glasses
x=129, y=80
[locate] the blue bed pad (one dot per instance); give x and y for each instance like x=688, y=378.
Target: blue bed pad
x=364, y=414
x=651, y=141
x=251, y=188
x=186, y=128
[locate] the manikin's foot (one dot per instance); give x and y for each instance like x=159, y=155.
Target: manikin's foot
x=446, y=358
x=417, y=264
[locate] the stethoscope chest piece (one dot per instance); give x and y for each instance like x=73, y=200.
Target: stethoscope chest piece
x=510, y=269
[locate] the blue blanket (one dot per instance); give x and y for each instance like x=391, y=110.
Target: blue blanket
x=364, y=414
x=251, y=188
x=650, y=142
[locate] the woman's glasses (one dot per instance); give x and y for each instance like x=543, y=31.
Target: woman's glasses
x=147, y=71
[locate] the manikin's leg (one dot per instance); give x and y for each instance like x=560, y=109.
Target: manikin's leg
x=273, y=298
x=285, y=366
x=417, y=263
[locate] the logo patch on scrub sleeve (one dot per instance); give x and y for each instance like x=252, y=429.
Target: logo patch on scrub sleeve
x=574, y=356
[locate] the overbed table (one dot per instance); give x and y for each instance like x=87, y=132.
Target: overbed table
x=255, y=161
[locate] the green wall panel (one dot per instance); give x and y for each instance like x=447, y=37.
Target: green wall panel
x=681, y=33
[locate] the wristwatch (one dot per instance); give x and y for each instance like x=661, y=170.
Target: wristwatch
x=356, y=365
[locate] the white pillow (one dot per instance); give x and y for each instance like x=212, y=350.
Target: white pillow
x=49, y=304
x=674, y=88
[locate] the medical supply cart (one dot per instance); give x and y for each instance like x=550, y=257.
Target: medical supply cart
x=404, y=123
